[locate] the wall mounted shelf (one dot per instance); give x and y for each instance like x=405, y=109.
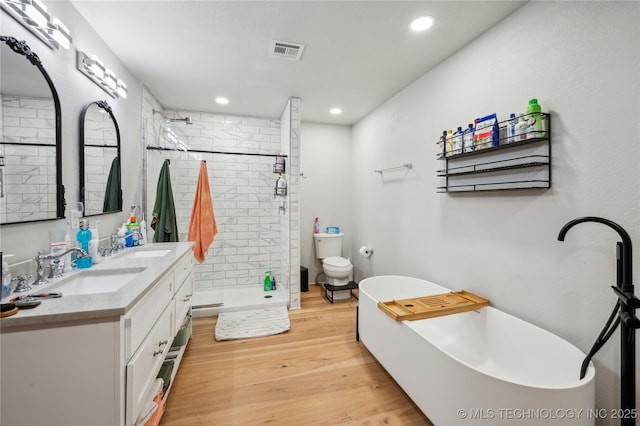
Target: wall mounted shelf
x=522, y=164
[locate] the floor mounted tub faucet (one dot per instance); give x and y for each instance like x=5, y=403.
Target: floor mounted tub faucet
x=625, y=307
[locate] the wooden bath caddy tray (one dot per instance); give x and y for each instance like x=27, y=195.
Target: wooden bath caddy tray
x=433, y=306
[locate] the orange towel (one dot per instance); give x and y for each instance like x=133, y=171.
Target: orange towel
x=202, y=226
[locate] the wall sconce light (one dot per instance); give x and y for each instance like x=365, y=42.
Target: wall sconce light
x=32, y=14
x=95, y=70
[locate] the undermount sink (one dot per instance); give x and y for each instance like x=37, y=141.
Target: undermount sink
x=147, y=253
x=97, y=281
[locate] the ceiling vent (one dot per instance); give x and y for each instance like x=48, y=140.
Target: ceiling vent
x=286, y=50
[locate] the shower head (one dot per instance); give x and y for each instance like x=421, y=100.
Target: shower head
x=173, y=120
x=185, y=119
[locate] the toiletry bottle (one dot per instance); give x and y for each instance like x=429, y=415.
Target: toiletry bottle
x=267, y=281
x=449, y=143
x=467, y=139
x=520, y=129
x=457, y=141
x=442, y=144
x=316, y=226
x=6, y=276
x=273, y=283
x=94, y=245
x=84, y=237
x=143, y=232
x=535, y=128
x=67, y=240
x=134, y=227
x=281, y=186
x=511, y=128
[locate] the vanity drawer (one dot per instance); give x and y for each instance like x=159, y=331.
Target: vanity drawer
x=183, y=300
x=145, y=363
x=183, y=268
x=146, y=313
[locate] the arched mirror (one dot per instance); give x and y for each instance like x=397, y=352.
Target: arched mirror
x=30, y=138
x=100, y=189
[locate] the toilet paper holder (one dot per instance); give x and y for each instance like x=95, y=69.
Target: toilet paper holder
x=366, y=251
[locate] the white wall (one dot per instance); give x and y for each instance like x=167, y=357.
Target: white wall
x=325, y=192
x=75, y=92
x=582, y=61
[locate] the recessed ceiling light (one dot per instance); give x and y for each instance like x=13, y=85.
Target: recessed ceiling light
x=422, y=23
x=335, y=111
x=222, y=101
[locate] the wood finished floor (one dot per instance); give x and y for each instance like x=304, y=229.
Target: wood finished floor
x=314, y=374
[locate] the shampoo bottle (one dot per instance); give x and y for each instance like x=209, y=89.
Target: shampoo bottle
x=316, y=226
x=536, y=127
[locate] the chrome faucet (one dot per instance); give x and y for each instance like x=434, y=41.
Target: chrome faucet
x=40, y=258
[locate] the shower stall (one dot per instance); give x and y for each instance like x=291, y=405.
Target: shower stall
x=257, y=229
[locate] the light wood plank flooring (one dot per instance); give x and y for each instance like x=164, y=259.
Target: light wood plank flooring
x=314, y=374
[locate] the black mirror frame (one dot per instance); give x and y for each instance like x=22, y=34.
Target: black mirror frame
x=22, y=48
x=105, y=106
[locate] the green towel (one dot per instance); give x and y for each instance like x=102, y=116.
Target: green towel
x=164, y=211
x=112, y=191
x=165, y=374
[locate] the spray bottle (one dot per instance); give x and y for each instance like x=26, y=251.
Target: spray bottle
x=267, y=281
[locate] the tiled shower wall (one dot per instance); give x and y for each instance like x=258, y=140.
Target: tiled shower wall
x=242, y=185
x=290, y=218
x=29, y=174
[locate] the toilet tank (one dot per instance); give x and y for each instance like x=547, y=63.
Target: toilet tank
x=328, y=245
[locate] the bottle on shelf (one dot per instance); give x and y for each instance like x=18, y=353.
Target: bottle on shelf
x=316, y=226
x=457, y=141
x=520, y=129
x=448, y=150
x=511, y=128
x=535, y=122
x=467, y=139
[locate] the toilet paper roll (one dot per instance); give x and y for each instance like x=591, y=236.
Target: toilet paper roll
x=366, y=251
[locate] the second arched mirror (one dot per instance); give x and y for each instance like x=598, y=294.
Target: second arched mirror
x=100, y=182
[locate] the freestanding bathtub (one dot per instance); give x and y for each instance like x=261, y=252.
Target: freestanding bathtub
x=478, y=367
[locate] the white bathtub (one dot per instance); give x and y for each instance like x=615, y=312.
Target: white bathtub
x=478, y=367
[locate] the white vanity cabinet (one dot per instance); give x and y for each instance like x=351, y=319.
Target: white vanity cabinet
x=96, y=367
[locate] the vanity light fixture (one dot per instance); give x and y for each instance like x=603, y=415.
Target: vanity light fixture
x=33, y=15
x=94, y=69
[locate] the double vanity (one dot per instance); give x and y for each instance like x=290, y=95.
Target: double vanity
x=91, y=357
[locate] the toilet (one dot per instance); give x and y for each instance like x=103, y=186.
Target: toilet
x=336, y=268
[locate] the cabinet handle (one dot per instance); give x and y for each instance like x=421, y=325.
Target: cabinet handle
x=187, y=298
x=156, y=353
x=162, y=343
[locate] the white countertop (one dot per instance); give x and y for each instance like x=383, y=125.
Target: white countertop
x=99, y=306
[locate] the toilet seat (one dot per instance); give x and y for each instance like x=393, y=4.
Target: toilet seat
x=337, y=262
x=337, y=267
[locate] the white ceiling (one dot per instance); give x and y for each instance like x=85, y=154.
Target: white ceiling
x=357, y=53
